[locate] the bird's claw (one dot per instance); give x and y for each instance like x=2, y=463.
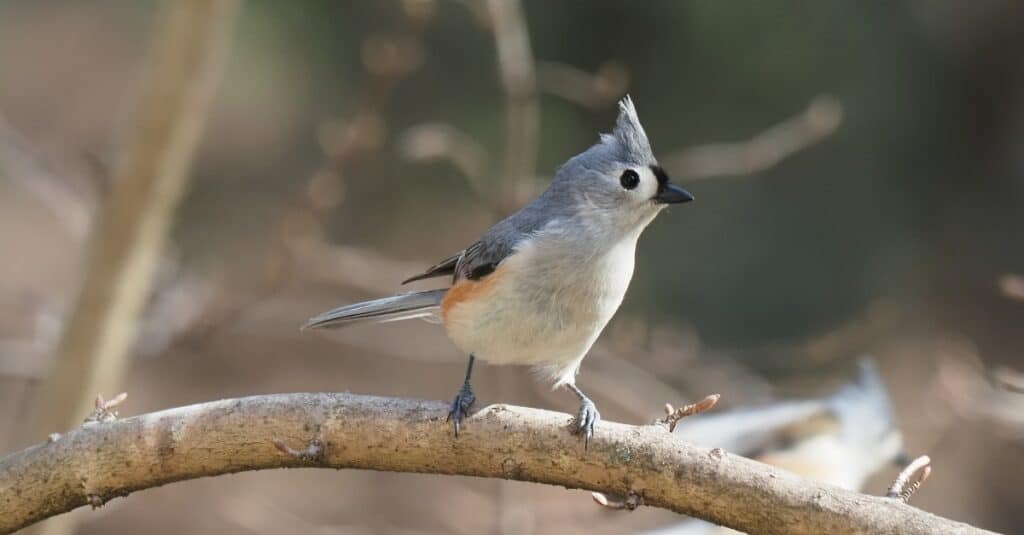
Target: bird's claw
x=460, y=406
x=585, y=421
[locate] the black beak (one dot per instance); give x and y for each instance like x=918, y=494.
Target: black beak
x=672, y=194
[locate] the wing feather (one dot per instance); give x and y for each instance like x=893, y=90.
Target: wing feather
x=440, y=269
x=483, y=257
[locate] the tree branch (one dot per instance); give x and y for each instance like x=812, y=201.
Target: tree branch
x=99, y=461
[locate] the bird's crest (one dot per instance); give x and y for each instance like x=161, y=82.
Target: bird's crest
x=629, y=135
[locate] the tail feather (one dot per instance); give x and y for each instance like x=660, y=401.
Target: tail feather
x=394, y=308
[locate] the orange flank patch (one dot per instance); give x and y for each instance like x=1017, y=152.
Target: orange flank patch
x=466, y=290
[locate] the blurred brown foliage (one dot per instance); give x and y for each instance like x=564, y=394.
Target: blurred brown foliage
x=353, y=143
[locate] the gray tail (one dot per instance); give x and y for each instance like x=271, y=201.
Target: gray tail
x=397, y=307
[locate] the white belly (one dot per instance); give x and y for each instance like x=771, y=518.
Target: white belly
x=547, y=309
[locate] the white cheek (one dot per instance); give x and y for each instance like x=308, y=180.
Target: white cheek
x=648, y=187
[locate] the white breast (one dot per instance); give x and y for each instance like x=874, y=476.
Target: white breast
x=556, y=294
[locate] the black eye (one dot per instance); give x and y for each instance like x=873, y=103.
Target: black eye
x=629, y=179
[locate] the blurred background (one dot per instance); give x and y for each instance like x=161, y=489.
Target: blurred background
x=859, y=175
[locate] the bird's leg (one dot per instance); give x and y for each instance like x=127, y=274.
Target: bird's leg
x=463, y=400
x=586, y=418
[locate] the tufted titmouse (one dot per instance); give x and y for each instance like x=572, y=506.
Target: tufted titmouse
x=538, y=287
x=841, y=439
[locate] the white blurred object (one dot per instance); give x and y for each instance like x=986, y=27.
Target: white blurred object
x=841, y=439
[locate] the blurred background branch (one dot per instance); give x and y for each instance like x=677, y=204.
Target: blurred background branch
x=1012, y=287
x=353, y=143
x=189, y=50
x=522, y=111
x=70, y=203
x=596, y=91
x=822, y=116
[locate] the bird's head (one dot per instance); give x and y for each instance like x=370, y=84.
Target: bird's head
x=618, y=180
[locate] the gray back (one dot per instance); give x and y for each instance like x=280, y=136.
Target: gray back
x=626, y=145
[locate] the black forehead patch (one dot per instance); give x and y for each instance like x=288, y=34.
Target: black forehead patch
x=660, y=174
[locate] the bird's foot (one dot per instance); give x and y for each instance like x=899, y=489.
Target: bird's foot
x=460, y=406
x=585, y=421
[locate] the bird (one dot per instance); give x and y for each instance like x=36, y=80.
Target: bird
x=539, y=286
x=841, y=439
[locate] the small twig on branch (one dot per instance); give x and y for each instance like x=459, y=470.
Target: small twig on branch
x=498, y=441
x=104, y=409
x=910, y=479
x=673, y=415
x=821, y=118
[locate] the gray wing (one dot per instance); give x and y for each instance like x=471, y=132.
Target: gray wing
x=482, y=258
x=474, y=262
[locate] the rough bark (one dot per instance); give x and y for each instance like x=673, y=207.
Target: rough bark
x=100, y=461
